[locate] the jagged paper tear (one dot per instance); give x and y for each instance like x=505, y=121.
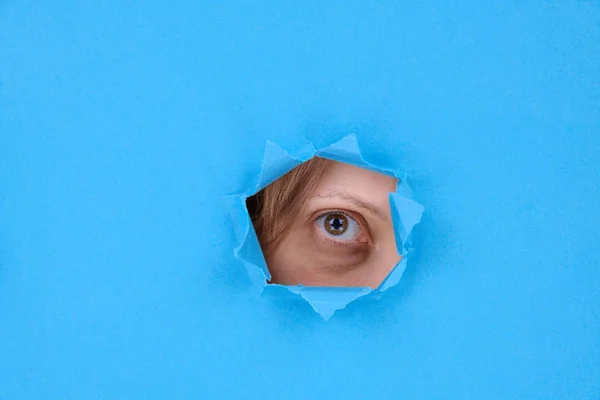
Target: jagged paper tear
x=406, y=213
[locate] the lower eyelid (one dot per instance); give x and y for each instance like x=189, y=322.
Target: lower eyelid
x=339, y=243
x=350, y=255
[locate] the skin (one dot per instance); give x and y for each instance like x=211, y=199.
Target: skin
x=311, y=256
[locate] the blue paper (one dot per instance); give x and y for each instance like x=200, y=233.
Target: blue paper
x=406, y=213
x=125, y=125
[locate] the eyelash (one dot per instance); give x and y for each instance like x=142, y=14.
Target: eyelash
x=343, y=243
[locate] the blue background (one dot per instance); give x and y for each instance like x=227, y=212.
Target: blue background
x=123, y=124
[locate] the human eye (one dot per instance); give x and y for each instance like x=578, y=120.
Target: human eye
x=340, y=226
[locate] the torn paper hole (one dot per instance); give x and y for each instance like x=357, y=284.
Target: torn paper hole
x=331, y=226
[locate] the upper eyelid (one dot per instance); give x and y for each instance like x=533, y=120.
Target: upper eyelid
x=354, y=200
x=335, y=211
x=321, y=214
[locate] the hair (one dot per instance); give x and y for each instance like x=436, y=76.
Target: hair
x=274, y=208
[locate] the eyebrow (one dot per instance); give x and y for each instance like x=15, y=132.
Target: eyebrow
x=372, y=208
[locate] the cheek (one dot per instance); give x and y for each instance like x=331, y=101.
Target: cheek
x=287, y=264
x=387, y=257
x=391, y=248
x=383, y=267
x=386, y=240
x=294, y=263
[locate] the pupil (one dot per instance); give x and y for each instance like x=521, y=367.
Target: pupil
x=336, y=223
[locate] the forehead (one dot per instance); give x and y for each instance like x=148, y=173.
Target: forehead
x=355, y=179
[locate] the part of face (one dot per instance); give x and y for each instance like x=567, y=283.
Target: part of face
x=308, y=255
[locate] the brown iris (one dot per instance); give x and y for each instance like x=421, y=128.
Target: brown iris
x=336, y=223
